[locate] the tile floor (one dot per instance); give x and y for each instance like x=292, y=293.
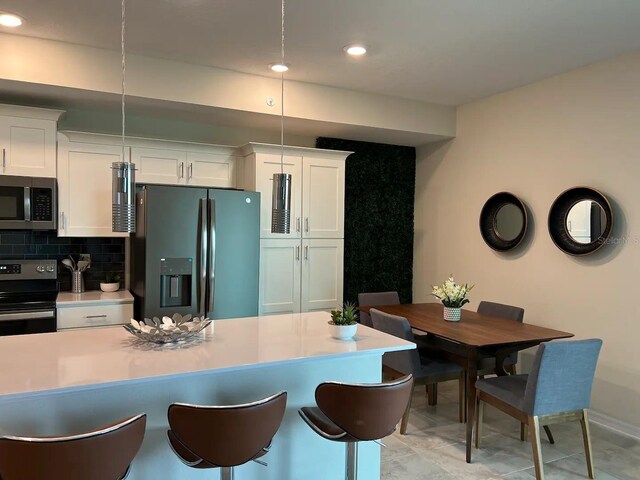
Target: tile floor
x=434, y=448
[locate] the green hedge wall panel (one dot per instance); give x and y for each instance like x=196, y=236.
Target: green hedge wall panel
x=379, y=202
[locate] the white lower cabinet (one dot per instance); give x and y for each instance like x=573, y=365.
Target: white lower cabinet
x=322, y=274
x=94, y=316
x=300, y=276
x=280, y=262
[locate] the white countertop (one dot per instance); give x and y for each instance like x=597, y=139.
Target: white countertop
x=79, y=359
x=97, y=297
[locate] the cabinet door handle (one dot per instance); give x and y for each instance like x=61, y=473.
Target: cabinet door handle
x=64, y=221
x=95, y=316
x=306, y=252
x=298, y=224
x=190, y=170
x=181, y=170
x=298, y=252
x=306, y=224
x=4, y=158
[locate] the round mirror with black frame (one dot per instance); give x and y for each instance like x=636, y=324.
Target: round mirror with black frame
x=580, y=221
x=503, y=221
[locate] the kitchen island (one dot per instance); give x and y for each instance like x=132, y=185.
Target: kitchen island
x=68, y=382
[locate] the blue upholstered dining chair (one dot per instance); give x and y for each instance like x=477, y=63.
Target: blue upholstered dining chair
x=375, y=299
x=557, y=389
x=500, y=310
x=406, y=362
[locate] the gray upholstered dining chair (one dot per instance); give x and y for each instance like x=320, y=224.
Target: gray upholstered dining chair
x=558, y=389
x=500, y=310
x=407, y=362
x=375, y=299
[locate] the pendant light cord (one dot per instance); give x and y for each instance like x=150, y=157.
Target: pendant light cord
x=124, y=68
x=281, y=97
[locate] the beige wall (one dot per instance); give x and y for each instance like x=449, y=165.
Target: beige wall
x=173, y=129
x=580, y=128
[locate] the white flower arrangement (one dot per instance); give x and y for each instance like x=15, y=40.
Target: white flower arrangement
x=451, y=294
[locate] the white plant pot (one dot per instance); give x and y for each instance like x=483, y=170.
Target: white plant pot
x=110, y=287
x=343, y=332
x=452, y=314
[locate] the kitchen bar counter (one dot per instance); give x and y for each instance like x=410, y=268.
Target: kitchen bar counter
x=80, y=379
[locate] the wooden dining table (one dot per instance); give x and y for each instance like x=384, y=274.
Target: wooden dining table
x=474, y=337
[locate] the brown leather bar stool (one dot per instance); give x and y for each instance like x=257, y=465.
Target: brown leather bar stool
x=224, y=436
x=104, y=454
x=353, y=413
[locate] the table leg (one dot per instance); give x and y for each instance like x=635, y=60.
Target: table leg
x=501, y=356
x=472, y=375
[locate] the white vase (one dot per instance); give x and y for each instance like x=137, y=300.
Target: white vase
x=452, y=314
x=343, y=332
x=110, y=287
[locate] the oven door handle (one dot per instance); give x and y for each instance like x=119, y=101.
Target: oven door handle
x=8, y=317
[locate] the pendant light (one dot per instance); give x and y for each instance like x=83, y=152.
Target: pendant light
x=281, y=196
x=123, y=186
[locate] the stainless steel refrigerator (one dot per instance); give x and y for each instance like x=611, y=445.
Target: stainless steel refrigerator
x=196, y=251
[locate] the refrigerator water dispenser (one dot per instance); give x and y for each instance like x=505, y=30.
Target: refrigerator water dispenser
x=175, y=282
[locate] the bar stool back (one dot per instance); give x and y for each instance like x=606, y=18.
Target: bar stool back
x=352, y=413
x=224, y=436
x=104, y=454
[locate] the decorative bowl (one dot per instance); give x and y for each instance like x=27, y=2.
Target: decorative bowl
x=167, y=330
x=110, y=287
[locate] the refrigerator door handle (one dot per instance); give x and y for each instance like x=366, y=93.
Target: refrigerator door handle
x=212, y=255
x=203, y=235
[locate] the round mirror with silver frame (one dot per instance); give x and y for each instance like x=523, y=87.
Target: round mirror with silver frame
x=503, y=221
x=580, y=221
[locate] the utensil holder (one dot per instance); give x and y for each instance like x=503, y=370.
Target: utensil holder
x=77, y=282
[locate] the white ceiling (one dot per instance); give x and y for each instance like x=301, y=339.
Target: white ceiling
x=442, y=51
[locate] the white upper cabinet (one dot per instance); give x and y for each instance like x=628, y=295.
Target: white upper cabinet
x=84, y=187
x=264, y=166
x=206, y=169
x=323, y=197
x=156, y=165
x=317, y=188
x=28, y=141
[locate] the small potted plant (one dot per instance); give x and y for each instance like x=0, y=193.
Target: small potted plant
x=111, y=283
x=344, y=323
x=453, y=297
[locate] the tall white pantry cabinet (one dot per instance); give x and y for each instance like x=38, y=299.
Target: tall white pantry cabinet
x=301, y=271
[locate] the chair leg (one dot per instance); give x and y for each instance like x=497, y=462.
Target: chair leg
x=462, y=406
x=226, y=473
x=351, y=471
x=586, y=436
x=547, y=430
x=523, y=432
x=432, y=393
x=405, y=418
x=479, y=420
x=534, y=432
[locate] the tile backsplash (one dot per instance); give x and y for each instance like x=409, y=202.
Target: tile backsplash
x=107, y=254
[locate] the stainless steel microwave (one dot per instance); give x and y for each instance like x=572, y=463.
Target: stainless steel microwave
x=28, y=203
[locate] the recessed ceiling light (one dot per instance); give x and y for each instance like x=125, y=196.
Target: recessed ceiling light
x=279, y=67
x=10, y=20
x=355, y=50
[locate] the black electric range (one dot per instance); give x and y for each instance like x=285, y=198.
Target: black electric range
x=28, y=290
